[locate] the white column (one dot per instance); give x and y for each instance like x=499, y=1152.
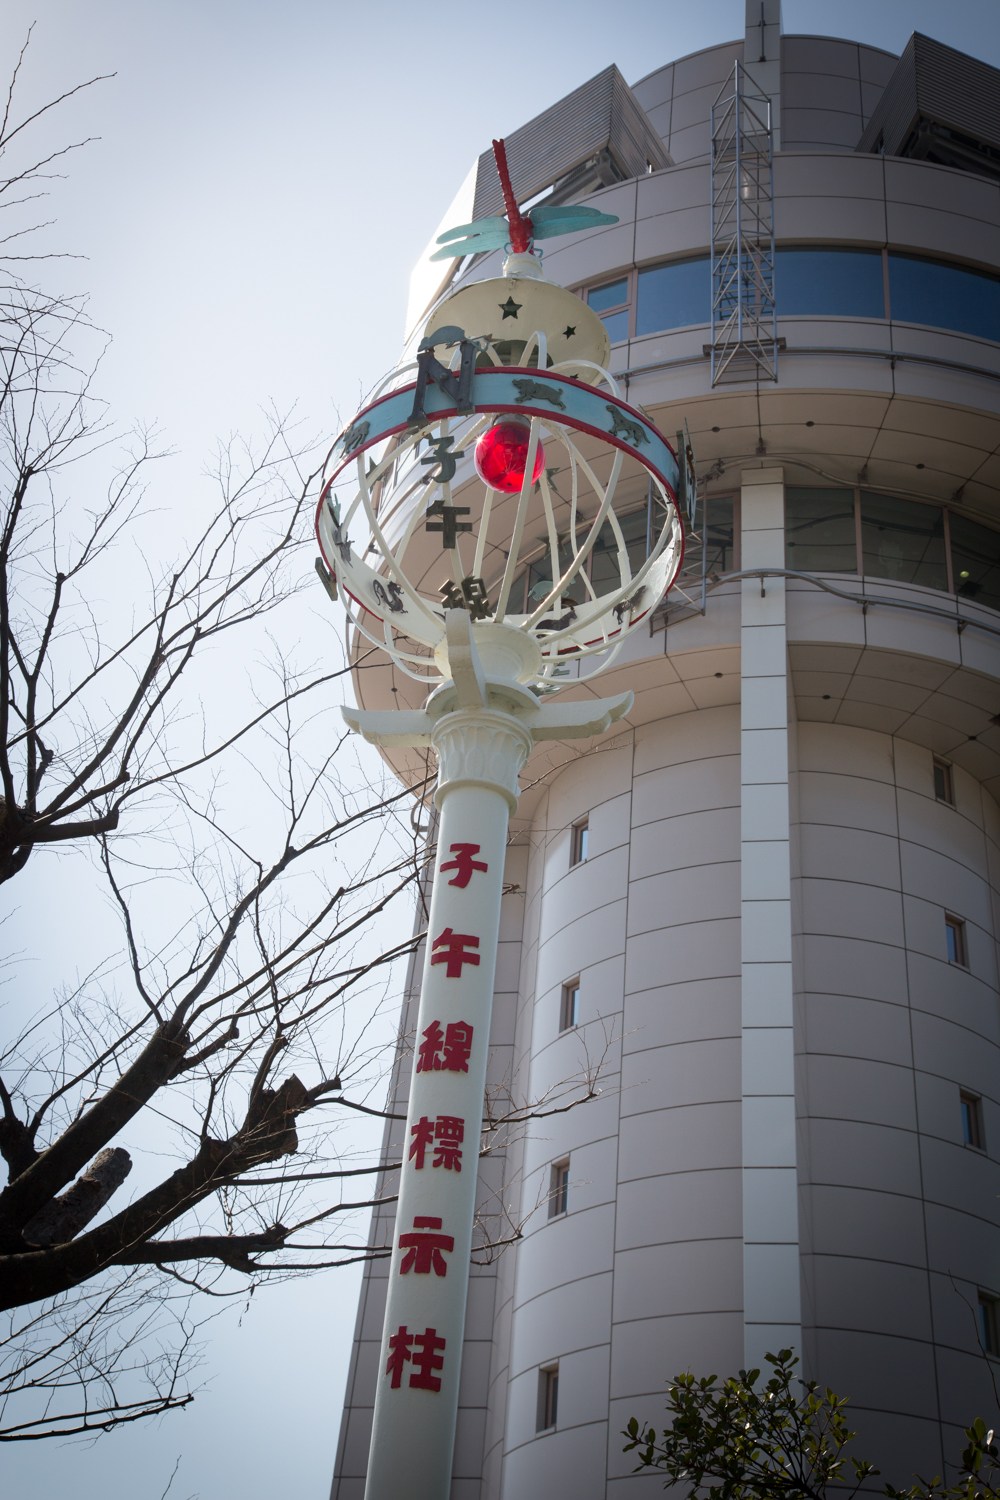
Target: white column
x=765, y=41
x=771, y=1302
x=416, y=1400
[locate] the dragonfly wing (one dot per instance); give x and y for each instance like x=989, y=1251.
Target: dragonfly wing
x=569, y=211
x=478, y=226
x=492, y=239
x=547, y=229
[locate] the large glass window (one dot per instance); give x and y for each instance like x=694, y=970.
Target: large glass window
x=811, y=280
x=975, y=560
x=720, y=533
x=532, y=585
x=929, y=291
x=674, y=296
x=903, y=540
x=841, y=283
x=610, y=302
x=604, y=574
x=820, y=535
x=721, y=554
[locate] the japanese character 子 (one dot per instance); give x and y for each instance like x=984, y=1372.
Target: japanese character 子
x=439, y=455
x=424, y=1251
x=456, y=1042
x=452, y=945
x=427, y=1360
x=423, y=1136
x=450, y=1133
x=464, y=864
x=400, y=1344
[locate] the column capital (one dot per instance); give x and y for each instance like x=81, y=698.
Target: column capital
x=480, y=747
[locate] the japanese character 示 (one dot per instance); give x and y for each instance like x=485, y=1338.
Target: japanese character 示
x=423, y=1136
x=450, y=1133
x=427, y=1360
x=452, y=945
x=464, y=864
x=424, y=1251
x=455, y=1042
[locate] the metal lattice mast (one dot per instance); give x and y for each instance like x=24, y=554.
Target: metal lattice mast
x=744, y=323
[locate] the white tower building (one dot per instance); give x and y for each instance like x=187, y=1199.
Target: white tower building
x=769, y=900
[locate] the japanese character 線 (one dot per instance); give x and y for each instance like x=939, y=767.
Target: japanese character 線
x=455, y=1042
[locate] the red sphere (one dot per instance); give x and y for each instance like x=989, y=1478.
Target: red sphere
x=502, y=455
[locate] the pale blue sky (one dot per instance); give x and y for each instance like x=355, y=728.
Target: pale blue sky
x=265, y=177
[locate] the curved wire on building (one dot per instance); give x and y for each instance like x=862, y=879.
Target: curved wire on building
x=765, y=909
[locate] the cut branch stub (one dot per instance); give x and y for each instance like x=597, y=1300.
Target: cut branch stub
x=63, y=1218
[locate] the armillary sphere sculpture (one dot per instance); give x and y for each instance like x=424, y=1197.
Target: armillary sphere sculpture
x=515, y=523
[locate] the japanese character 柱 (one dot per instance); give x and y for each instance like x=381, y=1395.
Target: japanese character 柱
x=423, y=1136
x=399, y=1352
x=427, y=1360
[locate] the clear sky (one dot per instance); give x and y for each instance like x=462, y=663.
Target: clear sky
x=266, y=175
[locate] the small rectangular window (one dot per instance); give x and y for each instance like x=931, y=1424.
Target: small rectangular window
x=972, y=1119
x=570, y=1005
x=578, y=844
x=942, y=782
x=988, y=1323
x=559, y=1189
x=955, y=933
x=548, y=1399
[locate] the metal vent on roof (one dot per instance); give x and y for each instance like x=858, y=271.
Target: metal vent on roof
x=597, y=135
x=941, y=106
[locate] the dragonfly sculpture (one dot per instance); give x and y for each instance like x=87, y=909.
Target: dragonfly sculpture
x=516, y=229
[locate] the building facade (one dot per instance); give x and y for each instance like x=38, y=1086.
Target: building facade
x=764, y=911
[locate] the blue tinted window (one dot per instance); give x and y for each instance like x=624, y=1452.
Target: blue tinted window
x=904, y=540
x=840, y=283
x=617, y=325
x=612, y=295
x=819, y=531
x=673, y=296
x=928, y=291
x=975, y=560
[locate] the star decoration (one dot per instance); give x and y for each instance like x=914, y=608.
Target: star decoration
x=510, y=308
x=568, y=331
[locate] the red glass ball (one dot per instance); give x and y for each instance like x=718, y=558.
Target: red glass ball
x=502, y=456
